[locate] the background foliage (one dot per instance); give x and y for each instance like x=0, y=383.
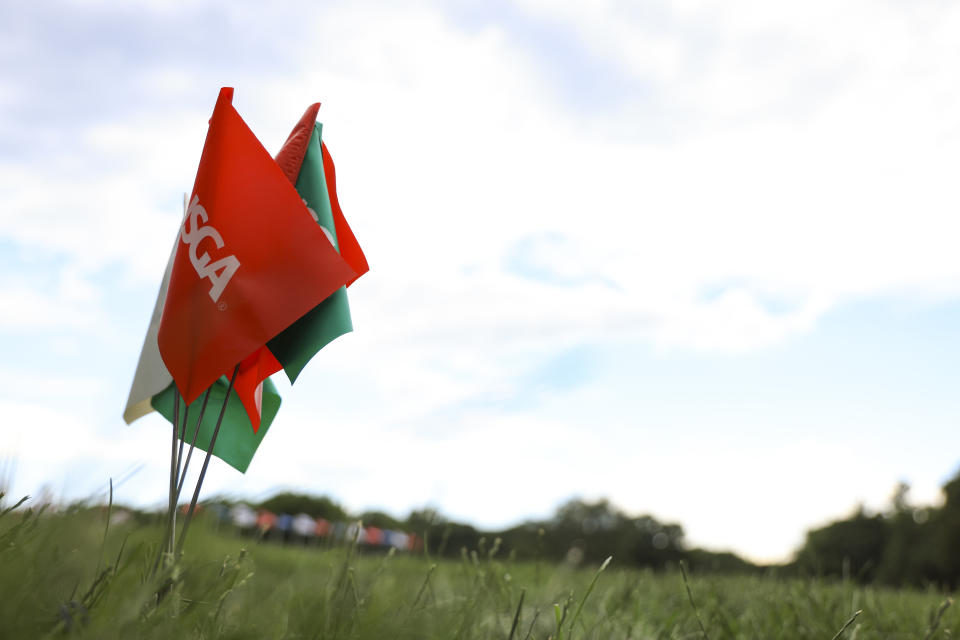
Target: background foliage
x=70, y=574
x=906, y=545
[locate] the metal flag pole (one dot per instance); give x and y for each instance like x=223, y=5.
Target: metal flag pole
x=193, y=442
x=175, y=457
x=170, y=533
x=182, y=435
x=172, y=505
x=177, y=454
x=176, y=486
x=206, y=463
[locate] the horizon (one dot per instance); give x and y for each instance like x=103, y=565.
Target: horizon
x=694, y=257
x=160, y=508
x=46, y=497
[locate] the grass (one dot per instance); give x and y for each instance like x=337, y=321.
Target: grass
x=69, y=574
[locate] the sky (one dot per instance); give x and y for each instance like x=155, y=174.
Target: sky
x=695, y=257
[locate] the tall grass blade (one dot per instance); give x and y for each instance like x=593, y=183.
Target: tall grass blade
x=593, y=583
x=686, y=583
x=560, y=615
x=516, y=616
x=106, y=529
x=14, y=507
x=848, y=623
x=935, y=618
x=536, y=615
x=423, y=588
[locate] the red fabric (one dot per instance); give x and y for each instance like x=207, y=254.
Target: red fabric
x=290, y=156
x=286, y=265
x=349, y=247
x=256, y=368
x=290, y=159
x=262, y=364
x=259, y=366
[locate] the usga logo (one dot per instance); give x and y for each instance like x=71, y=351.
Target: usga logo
x=193, y=232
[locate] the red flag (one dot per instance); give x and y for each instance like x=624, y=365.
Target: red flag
x=290, y=159
x=255, y=368
x=262, y=364
x=349, y=247
x=250, y=261
x=290, y=156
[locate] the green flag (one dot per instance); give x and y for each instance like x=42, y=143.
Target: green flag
x=236, y=442
x=299, y=342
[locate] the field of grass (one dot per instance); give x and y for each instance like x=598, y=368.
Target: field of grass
x=69, y=574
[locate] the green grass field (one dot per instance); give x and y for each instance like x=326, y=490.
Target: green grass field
x=69, y=574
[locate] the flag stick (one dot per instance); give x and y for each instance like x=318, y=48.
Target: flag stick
x=182, y=434
x=172, y=505
x=175, y=454
x=206, y=462
x=193, y=442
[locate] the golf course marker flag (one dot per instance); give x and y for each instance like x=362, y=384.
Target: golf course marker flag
x=250, y=262
x=253, y=263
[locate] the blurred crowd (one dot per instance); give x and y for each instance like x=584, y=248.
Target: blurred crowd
x=303, y=528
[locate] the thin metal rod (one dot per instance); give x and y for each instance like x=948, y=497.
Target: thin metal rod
x=193, y=443
x=170, y=533
x=172, y=505
x=181, y=434
x=206, y=462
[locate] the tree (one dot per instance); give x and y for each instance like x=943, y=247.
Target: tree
x=315, y=506
x=380, y=520
x=850, y=548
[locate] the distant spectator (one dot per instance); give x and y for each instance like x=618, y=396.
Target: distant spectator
x=373, y=536
x=266, y=521
x=355, y=533
x=323, y=528
x=398, y=540
x=304, y=527
x=284, y=526
x=243, y=517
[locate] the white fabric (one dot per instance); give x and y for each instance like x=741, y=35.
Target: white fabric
x=151, y=376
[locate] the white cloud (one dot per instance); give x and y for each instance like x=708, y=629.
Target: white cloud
x=451, y=149
x=30, y=309
x=65, y=450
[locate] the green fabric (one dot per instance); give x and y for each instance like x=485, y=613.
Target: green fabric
x=312, y=184
x=236, y=442
x=298, y=343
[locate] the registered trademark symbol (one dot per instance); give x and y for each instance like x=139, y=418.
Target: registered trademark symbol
x=222, y=305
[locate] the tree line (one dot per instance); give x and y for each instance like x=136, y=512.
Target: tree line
x=903, y=545
x=580, y=531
